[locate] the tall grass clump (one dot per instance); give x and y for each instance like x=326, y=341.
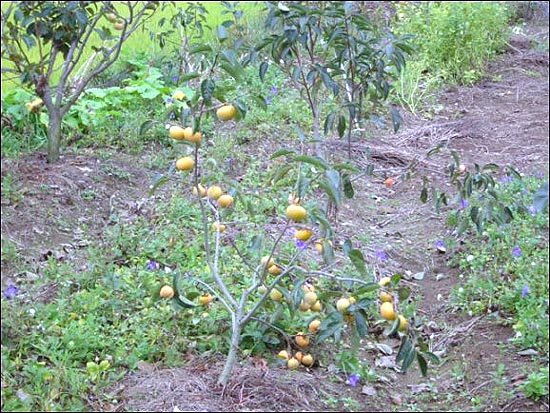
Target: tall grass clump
x=454, y=41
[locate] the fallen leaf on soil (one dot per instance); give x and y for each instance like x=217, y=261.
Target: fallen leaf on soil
x=422, y=387
x=384, y=348
x=528, y=352
x=419, y=275
x=396, y=398
x=368, y=390
x=385, y=361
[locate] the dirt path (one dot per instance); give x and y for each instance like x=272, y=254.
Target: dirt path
x=502, y=119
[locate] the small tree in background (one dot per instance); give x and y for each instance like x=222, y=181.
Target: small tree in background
x=333, y=46
x=47, y=43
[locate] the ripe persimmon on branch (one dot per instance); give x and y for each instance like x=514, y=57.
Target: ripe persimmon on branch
x=46, y=44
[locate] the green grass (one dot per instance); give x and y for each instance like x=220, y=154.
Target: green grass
x=506, y=267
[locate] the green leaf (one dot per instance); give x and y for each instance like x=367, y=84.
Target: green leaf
x=395, y=118
x=404, y=348
x=328, y=252
x=263, y=69
x=540, y=199
x=207, y=88
x=144, y=127
x=199, y=48
x=331, y=185
x=360, y=324
x=341, y=127
x=348, y=187
x=367, y=288
x=407, y=361
x=358, y=260
x=422, y=364
x=329, y=122
x=189, y=76
x=283, y=152
x=255, y=243
x=403, y=293
x=431, y=357
x=313, y=160
x=394, y=326
x=233, y=70
x=281, y=172
x=330, y=326
x=302, y=185
x=221, y=32
x=424, y=195
x=179, y=298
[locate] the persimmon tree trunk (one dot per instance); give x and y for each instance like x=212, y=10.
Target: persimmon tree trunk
x=54, y=136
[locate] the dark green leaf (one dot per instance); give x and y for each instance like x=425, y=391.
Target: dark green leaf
x=199, y=48
x=263, y=69
x=281, y=172
x=330, y=326
x=144, y=127
x=328, y=252
x=367, y=288
x=395, y=118
x=403, y=293
x=360, y=324
x=348, y=187
x=207, y=88
x=221, y=32
x=422, y=364
x=408, y=359
x=255, y=243
x=188, y=76
x=341, y=125
x=313, y=160
x=431, y=357
x=424, y=195
x=233, y=70
x=358, y=260
x=331, y=185
x=394, y=326
x=540, y=199
x=329, y=122
x=404, y=348
x=282, y=152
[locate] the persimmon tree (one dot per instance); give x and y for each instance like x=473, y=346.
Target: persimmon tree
x=277, y=282
x=58, y=47
x=331, y=48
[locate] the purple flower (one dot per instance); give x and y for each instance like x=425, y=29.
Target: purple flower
x=464, y=203
x=299, y=243
x=381, y=255
x=175, y=78
x=438, y=243
x=152, y=265
x=267, y=100
x=505, y=179
x=540, y=175
x=524, y=290
x=273, y=89
x=352, y=380
x=516, y=251
x=10, y=291
x=169, y=100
